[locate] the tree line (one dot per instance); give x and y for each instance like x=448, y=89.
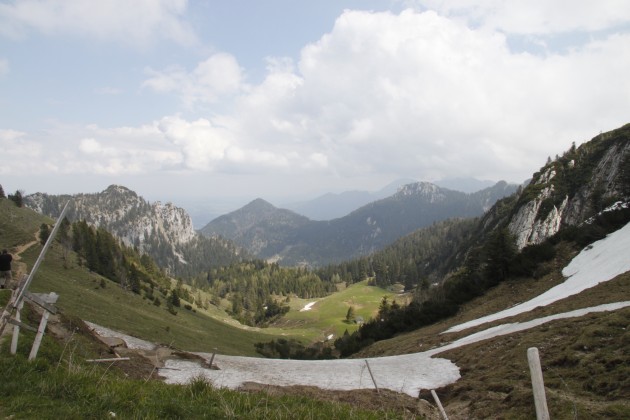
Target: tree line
x=258, y=291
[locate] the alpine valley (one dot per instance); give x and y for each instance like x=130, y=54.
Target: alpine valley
x=470, y=281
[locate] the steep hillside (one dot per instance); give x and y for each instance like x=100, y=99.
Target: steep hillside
x=279, y=234
x=573, y=187
x=163, y=231
x=488, y=252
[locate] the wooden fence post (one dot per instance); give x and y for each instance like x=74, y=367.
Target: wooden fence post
x=16, y=328
x=372, y=376
x=39, y=335
x=212, y=358
x=538, y=386
x=439, y=404
x=22, y=288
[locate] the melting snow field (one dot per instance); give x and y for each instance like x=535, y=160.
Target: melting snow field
x=132, y=342
x=408, y=373
x=597, y=263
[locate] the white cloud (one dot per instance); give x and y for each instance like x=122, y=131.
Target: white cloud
x=201, y=143
x=536, y=16
x=88, y=150
x=19, y=153
x=424, y=95
x=382, y=95
x=138, y=22
x=90, y=146
x=414, y=94
x=207, y=146
x=216, y=77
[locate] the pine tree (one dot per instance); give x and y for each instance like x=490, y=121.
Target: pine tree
x=350, y=314
x=2, y=195
x=44, y=233
x=174, y=300
x=17, y=198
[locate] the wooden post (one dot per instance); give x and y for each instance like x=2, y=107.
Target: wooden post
x=111, y=359
x=20, y=291
x=439, y=404
x=16, y=329
x=212, y=358
x=538, y=386
x=372, y=376
x=39, y=336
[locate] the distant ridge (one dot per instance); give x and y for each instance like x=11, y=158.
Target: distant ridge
x=332, y=206
x=285, y=236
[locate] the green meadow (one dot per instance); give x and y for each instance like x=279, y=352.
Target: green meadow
x=88, y=296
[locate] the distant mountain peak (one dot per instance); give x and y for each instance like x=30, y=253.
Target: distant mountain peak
x=259, y=204
x=112, y=189
x=421, y=189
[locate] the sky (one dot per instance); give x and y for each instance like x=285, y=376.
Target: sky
x=212, y=101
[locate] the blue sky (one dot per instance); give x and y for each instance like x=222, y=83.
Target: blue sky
x=214, y=100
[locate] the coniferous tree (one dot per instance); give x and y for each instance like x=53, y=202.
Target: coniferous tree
x=17, y=198
x=2, y=195
x=44, y=233
x=500, y=251
x=350, y=314
x=174, y=299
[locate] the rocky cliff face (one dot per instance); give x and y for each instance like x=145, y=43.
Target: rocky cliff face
x=574, y=187
x=163, y=231
x=123, y=213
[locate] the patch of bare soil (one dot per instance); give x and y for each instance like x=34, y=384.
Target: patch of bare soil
x=20, y=268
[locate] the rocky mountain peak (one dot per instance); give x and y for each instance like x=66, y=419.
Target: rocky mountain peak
x=122, y=212
x=422, y=189
x=574, y=187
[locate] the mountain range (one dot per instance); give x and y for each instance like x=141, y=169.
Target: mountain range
x=293, y=239
x=334, y=205
x=563, y=193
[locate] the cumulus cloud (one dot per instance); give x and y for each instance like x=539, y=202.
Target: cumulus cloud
x=216, y=77
x=535, y=16
x=88, y=150
x=415, y=94
x=418, y=94
x=18, y=152
x=139, y=22
x=421, y=94
x=208, y=146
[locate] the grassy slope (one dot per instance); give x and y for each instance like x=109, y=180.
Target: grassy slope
x=113, y=307
x=202, y=330
x=59, y=384
x=586, y=361
x=328, y=315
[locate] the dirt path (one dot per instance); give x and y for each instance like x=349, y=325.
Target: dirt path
x=19, y=267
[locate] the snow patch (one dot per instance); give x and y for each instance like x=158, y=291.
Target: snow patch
x=307, y=307
x=131, y=342
x=505, y=329
x=407, y=373
x=597, y=263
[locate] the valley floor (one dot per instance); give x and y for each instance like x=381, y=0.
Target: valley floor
x=409, y=373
